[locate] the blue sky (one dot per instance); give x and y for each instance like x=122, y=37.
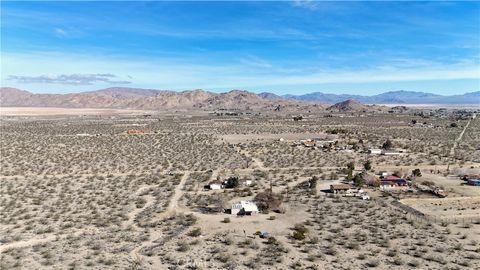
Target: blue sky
x=283, y=47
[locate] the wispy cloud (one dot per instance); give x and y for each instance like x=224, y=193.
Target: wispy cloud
x=308, y=4
x=59, y=32
x=71, y=79
x=255, y=61
x=250, y=72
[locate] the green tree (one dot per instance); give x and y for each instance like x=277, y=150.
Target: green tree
x=417, y=173
x=387, y=145
x=313, y=182
x=367, y=165
x=351, y=166
x=232, y=182
x=358, y=180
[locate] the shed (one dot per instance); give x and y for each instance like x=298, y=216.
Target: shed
x=340, y=188
x=244, y=208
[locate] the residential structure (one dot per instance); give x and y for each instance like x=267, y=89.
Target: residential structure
x=244, y=208
x=215, y=185
x=393, y=183
x=340, y=188
x=375, y=151
x=308, y=143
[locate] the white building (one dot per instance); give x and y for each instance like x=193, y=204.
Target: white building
x=375, y=151
x=247, y=183
x=214, y=186
x=244, y=208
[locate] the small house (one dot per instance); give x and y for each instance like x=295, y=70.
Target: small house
x=392, y=182
x=391, y=153
x=136, y=132
x=340, y=188
x=244, y=208
x=308, y=143
x=375, y=151
x=247, y=183
x=215, y=185
x=383, y=173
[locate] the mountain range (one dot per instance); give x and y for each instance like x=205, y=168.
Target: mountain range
x=150, y=99
x=136, y=98
x=392, y=97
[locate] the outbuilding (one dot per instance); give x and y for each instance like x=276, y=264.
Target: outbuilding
x=244, y=208
x=340, y=188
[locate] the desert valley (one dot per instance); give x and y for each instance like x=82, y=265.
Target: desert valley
x=236, y=181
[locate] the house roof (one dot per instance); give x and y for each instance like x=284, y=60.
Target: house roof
x=387, y=183
x=216, y=182
x=391, y=178
x=398, y=181
x=340, y=186
x=248, y=206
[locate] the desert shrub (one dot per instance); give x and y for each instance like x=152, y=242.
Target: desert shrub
x=195, y=232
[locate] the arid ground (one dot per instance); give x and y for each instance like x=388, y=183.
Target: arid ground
x=78, y=192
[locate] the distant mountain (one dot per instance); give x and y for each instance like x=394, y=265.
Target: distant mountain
x=392, y=97
x=270, y=96
x=135, y=98
x=348, y=106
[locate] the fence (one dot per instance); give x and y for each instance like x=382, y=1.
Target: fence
x=413, y=214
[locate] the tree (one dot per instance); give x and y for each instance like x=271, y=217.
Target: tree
x=313, y=182
x=358, y=180
x=351, y=166
x=417, y=173
x=387, y=145
x=453, y=125
x=367, y=165
x=232, y=182
x=371, y=180
x=267, y=200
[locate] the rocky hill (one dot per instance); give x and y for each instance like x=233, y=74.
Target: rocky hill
x=134, y=98
x=349, y=105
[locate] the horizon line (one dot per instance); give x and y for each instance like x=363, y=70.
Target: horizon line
x=219, y=91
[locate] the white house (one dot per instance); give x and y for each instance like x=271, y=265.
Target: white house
x=244, y=208
x=391, y=153
x=214, y=186
x=375, y=151
x=247, y=183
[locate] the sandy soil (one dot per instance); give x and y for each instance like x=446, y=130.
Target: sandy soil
x=240, y=138
x=464, y=207
x=41, y=111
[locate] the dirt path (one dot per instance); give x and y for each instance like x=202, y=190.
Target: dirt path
x=27, y=243
x=178, y=193
x=44, y=239
x=171, y=209
x=455, y=144
x=256, y=162
x=133, y=214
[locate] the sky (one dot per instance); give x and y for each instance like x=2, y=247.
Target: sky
x=287, y=47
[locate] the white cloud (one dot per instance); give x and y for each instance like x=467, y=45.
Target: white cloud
x=70, y=79
x=308, y=4
x=59, y=32
x=249, y=73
